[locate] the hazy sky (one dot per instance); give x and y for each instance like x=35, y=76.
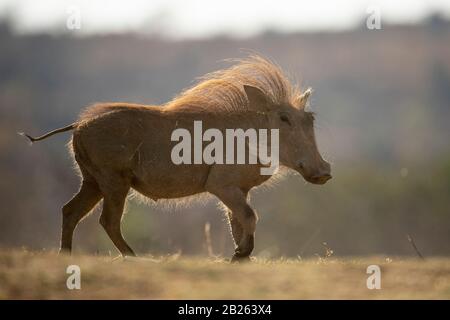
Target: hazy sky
x=202, y=18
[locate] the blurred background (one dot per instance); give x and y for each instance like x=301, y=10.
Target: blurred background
x=380, y=71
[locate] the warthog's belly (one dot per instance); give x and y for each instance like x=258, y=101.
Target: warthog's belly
x=170, y=181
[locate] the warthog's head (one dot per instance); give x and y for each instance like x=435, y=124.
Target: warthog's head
x=297, y=141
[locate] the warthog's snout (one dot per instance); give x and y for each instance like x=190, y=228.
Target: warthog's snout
x=323, y=175
x=320, y=176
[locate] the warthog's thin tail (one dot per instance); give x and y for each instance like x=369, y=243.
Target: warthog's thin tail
x=48, y=134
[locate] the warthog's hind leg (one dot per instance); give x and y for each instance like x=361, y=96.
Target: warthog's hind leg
x=73, y=211
x=115, y=194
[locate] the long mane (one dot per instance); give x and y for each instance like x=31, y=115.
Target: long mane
x=222, y=91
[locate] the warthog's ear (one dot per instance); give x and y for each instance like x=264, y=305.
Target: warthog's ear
x=256, y=98
x=303, y=99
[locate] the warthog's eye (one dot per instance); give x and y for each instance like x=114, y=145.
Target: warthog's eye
x=285, y=118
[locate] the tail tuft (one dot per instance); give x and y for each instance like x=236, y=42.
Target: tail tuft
x=30, y=138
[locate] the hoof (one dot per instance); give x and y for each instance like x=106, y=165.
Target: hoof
x=63, y=251
x=239, y=259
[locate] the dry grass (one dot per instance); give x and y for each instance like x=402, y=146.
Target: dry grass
x=41, y=275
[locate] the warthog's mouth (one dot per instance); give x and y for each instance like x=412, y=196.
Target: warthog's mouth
x=319, y=179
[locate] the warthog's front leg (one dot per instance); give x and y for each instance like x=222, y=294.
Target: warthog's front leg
x=236, y=200
x=235, y=227
x=115, y=189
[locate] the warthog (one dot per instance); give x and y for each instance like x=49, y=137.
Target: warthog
x=119, y=146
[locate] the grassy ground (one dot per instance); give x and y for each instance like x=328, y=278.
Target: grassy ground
x=40, y=275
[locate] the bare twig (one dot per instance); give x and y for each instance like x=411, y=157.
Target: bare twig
x=413, y=244
x=208, y=239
